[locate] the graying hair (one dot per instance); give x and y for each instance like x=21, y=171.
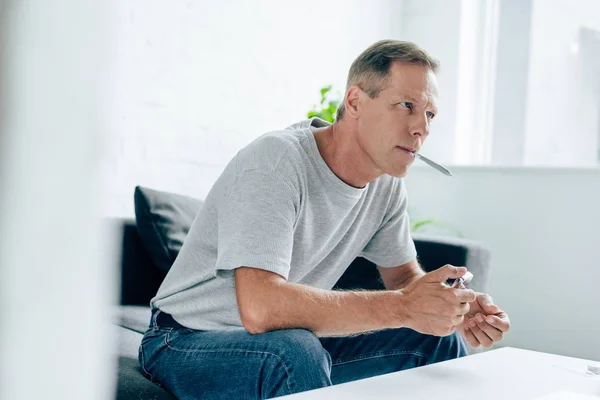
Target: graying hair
x=370, y=70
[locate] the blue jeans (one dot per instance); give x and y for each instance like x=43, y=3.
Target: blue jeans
x=237, y=365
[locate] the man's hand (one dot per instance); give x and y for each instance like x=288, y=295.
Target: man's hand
x=485, y=323
x=432, y=307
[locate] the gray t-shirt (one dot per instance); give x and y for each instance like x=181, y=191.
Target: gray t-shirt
x=277, y=206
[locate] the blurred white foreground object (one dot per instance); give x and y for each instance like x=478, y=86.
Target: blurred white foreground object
x=55, y=287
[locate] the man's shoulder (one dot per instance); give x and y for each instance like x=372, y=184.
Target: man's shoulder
x=273, y=150
x=277, y=141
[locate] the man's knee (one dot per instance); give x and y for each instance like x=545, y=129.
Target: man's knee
x=300, y=347
x=301, y=363
x=431, y=348
x=448, y=348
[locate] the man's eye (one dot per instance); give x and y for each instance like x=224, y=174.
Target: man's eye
x=407, y=104
x=430, y=114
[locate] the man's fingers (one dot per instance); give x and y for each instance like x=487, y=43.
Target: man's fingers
x=454, y=295
x=470, y=338
x=481, y=336
x=500, y=321
x=466, y=295
x=457, y=320
x=463, y=309
x=444, y=273
x=493, y=333
x=487, y=303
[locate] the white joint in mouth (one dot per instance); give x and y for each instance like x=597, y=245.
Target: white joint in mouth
x=433, y=164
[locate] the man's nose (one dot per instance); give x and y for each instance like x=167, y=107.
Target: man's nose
x=420, y=127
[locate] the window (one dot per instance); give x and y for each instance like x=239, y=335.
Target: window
x=519, y=83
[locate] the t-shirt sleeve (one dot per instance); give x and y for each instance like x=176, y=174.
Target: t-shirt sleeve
x=256, y=224
x=392, y=244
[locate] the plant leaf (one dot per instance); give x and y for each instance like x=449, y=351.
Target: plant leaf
x=419, y=224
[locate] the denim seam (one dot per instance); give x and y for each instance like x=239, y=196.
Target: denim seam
x=166, y=335
x=378, y=355
x=143, y=361
x=225, y=351
x=153, y=320
x=143, y=364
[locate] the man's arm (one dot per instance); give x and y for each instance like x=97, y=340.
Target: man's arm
x=401, y=276
x=267, y=302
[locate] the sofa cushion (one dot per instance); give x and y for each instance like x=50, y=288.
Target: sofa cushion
x=134, y=318
x=128, y=340
x=163, y=220
x=131, y=382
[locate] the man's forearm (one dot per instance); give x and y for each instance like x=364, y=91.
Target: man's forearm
x=283, y=305
x=401, y=276
x=406, y=280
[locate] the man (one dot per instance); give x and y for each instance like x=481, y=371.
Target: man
x=247, y=309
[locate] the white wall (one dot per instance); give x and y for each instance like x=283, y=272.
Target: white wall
x=562, y=116
x=512, y=71
x=435, y=26
x=193, y=82
x=543, y=227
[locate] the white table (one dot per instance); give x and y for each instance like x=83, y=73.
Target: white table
x=505, y=373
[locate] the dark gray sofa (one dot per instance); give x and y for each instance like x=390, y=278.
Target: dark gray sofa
x=140, y=279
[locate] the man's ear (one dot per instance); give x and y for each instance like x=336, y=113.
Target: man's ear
x=352, y=101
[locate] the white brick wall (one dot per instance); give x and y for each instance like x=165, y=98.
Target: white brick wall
x=193, y=82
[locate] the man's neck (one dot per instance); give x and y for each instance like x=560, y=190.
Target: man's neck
x=339, y=147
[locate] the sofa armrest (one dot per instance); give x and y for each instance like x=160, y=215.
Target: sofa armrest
x=435, y=251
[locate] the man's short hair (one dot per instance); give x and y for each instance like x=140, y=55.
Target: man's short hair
x=370, y=70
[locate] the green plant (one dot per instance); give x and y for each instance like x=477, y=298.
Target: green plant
x=415, y=226
x=440, y=227
x=328, y=106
